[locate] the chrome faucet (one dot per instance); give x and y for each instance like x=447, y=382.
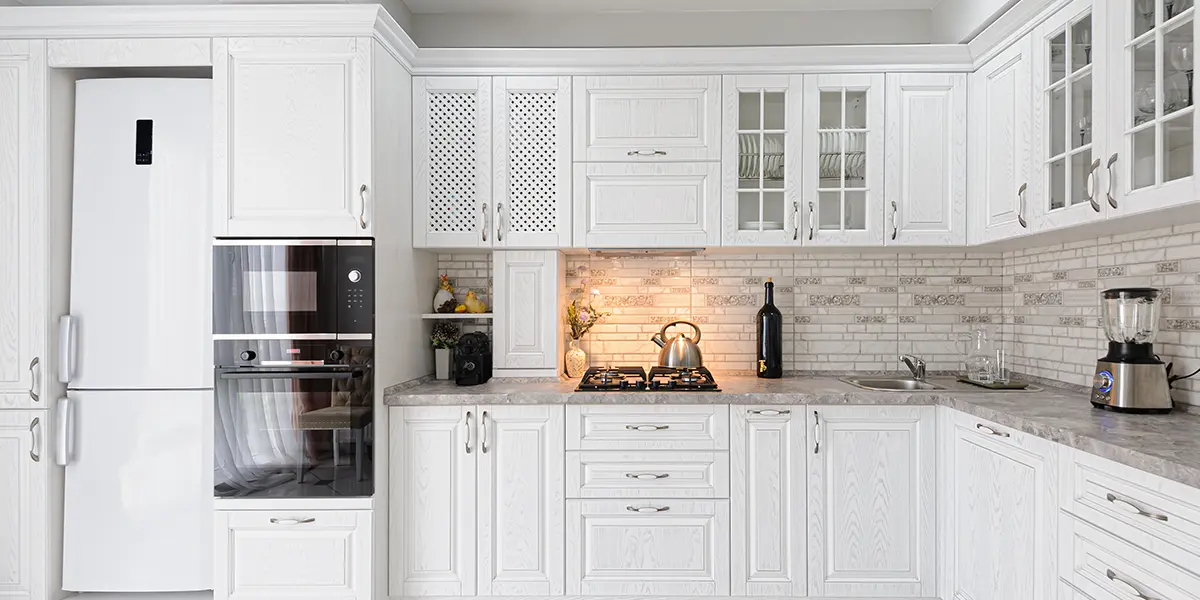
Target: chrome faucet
x=914, y=364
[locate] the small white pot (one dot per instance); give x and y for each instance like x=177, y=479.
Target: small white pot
x=442, y=359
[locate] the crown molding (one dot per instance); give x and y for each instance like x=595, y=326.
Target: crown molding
x=1011, y=26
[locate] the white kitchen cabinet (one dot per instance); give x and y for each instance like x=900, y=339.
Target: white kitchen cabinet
x=292, y=126
x=1105, y=566
x=647, y=205
x=872, y=501
x=532, y=187
x=1001, y=500
x=23, y=237
x=1000, y=154
x=647, y=474
x=842, y=202
x=526, y=304
x=648, y=427
x=760, y=164
x=320, y=554
x=768, y=549
x=647, y=118
x=24, y=497
x=452, y=162
x=926, y=159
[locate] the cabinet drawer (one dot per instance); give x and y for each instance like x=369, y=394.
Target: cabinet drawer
x=647, y=118
x=659, y=427
x=649, y=474
x=1104, y=566
x=651, y=547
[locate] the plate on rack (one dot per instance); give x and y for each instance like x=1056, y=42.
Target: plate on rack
x=763, y=225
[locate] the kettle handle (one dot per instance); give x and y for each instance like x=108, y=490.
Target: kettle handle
x=696, y=328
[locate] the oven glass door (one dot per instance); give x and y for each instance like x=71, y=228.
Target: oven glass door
x=275, y=288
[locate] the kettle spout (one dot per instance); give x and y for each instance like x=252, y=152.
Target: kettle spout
x=658, y=339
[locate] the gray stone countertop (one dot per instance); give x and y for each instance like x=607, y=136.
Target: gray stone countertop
x=1164, y=445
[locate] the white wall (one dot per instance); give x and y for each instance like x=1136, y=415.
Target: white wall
x=957, y=21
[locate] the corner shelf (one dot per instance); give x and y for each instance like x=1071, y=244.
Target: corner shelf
x=457, y=316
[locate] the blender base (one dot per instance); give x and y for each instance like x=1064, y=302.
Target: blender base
x=1132, y=411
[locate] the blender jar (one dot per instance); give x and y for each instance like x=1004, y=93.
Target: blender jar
x=1130, y=315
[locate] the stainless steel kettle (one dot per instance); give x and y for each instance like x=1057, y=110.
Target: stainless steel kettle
x=681, y=351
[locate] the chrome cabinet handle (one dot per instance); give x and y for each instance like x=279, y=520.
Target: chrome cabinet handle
x=484, y=426
x=1091, y=183
x=1130, y=588
x=499, y=221
x=486, y=221
x=895, y=215
x=647, y=509
x=990, y=431
x=35, y=442
x=33, y=379
x=303, y=521
x=817, y=433
x=467, y=425
x=795, y=221
x=812, y=224
x=647, y=427
x=1112, y=160
x=362, y=209
x=646, y=153
x=1021, y=206
x=1139, y=510
x=647, y=475
x=769, y=412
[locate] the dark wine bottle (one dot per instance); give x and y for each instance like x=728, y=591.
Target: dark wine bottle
x=769, y=325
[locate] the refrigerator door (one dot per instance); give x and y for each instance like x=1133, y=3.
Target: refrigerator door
x=141, y=252
x=138, y=499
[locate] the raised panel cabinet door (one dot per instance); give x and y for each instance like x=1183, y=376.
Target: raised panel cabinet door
x=668, y=205
x=532, y=188
x=25, y=473
x=926, y=159
x=647, y=118
x=526, y=306
x=767, y=501
x=872, y=501
x=292, y=130
x=22, y=223
x=1000, y=153
x=431, y=524
x=321, y=554
x=521, y=506
x=452, y=162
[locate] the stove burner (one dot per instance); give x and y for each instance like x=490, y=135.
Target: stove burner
x=636, y=379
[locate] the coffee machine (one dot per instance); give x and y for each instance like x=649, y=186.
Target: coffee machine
x=1131, y=378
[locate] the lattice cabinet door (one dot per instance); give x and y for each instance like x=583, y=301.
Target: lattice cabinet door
x=532, y=162
x=452, y=159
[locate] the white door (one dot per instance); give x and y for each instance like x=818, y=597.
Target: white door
x=305, y=555
x=452, y=162
x=527, y=330
x=24, y=468
x=22, y=222
x=760, y=159
x=999, y=155
x=532, y=188
x=767, y=501
x=1001, y=530
x=647, y=118
x=1070, y=76
x=520, y=490
x=843, y=154
x=926, y=159
x=648, y=547
x=872, y=501
x=432, y=514
x=292, y=135
x=668, y=205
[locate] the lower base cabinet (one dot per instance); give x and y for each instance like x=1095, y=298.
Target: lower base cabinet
x=25, y=461
x=317, y=555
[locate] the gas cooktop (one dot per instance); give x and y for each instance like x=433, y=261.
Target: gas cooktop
x=635, y=379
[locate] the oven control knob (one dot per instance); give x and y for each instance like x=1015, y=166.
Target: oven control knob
x=337, y=355
x=247, y=355
x=354, y=276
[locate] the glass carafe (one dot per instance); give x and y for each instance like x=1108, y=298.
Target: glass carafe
x=979, y=354
x=1130, y=315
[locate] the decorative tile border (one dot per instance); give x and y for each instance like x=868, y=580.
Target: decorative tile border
x=729, y=300
x=834, y=300
x=961, y=280
x=1023, y=278
x=1167, y=267
x=974, y=319
x=1042, y=299
x=1110, y=272
x=808, y=281
x=914, y=280
x=1072, y=321
x=939, y=300
x=629, y=301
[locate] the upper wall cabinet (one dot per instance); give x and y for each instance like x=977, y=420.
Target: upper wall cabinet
x=532, y=187
x=760, y=164
x=292, y=137
x=647, y=205
x=843, y=160
x=634, y=119
x=452, y=154
x=926, y=170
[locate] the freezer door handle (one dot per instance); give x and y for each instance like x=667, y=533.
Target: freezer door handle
x=64, y=446
x=66, y=348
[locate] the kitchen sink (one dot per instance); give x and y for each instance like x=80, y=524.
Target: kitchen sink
x=891, y=384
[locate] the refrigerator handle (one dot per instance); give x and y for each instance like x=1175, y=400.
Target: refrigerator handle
x=66, y=348
x=64, y=446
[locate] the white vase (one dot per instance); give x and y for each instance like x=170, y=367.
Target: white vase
x=576, y=360
x=442, y=357
x=440, y=298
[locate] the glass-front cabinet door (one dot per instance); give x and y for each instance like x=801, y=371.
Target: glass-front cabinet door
x=761, y=158
x=842, y=202
x=1152, y=164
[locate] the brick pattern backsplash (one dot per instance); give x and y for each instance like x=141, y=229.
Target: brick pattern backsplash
x=468, y=272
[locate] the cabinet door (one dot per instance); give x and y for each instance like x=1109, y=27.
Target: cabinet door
x=532, y=187
x=527, y=329
x=521, y=501
x=1000, y=538
x=1069, y=81
x=760, y=164
x=452, y=154
x=1000, y=153
x=926, y=170
x=22, y=222
x=432, y=513
x=767, y=501
x=647, y=118
x=25, y=471
x=292, y=135
x=1153, y=125
x=668, y=205
x=322, y=555
x=843, y=160
x=871, y=501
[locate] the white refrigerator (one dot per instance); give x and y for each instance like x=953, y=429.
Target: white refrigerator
x=136, y=422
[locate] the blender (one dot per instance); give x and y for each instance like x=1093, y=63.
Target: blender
x=1131, y=378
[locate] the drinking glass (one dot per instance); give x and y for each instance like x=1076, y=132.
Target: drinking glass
x=1000, y=373
x=1183, y=58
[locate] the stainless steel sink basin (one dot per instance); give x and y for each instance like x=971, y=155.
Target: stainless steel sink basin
x=891, y=384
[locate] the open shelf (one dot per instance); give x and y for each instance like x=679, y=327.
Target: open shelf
x=457, y=316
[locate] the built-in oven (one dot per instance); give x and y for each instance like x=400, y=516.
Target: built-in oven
x=317, y=288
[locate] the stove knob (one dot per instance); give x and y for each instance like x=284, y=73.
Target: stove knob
x=247, y=355
x=337, y=356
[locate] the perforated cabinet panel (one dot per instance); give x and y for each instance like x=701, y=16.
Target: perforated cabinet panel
x=533, y=172
x=452, y=163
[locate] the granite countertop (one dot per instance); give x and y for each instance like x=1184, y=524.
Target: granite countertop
x=1164, y=445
